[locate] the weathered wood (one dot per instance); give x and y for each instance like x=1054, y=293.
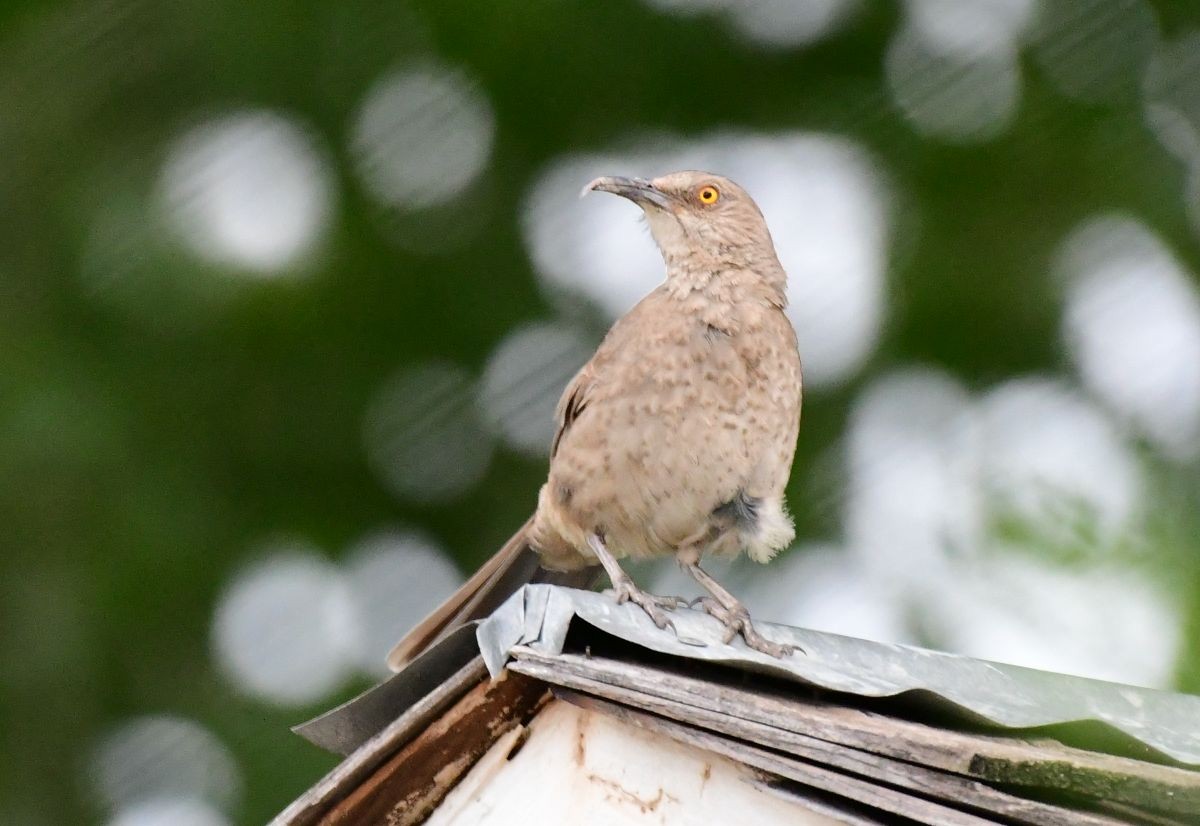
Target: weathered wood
x=822, y=803
x=309, y=807
x=574, y=767
x=958, y=791
x=413, y=781
x=1042, y=764
x=851, y=788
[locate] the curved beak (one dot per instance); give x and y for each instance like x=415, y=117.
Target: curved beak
x=639, y=190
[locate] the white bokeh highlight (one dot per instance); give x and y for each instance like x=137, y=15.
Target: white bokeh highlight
x=1103, y=622
x=395, y=579
x=1132, y=325
x=285, y=629
x=1052, y=458
x=930, y=470
x=824, y=587
x=825, y=200
x=251, y=191
x=169, y=811
x=421, y=136
x=953, y=93
x=423, y=435
x=162, y=756
x=523, y=379
x=971, y=28
x=1171, y=90
x=770, y=23
x=786, y=23
x=912, y=501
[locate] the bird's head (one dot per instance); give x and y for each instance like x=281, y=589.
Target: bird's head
x=698, y=216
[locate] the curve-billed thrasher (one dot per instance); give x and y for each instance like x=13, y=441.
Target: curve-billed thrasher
x=677, y=437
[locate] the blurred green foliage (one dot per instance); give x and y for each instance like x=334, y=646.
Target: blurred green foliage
x=149, y=438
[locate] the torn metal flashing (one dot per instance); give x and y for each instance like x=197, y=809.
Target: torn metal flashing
x=857, y=731
x=539, y=616
x=348, y=726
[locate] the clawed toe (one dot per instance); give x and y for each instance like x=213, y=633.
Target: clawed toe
x=760, y=643
x=654, y=605
x=669, y=603
x=737, y=621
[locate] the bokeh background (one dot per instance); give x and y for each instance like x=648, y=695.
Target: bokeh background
x=288, y=291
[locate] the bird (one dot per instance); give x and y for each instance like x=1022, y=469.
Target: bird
x=677, y=437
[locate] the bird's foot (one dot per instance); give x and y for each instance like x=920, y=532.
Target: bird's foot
x=627, y=591
x=736, y=620
x=654, y=605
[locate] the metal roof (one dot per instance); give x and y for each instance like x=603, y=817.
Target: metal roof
x=874, y=730
x=1010, y=696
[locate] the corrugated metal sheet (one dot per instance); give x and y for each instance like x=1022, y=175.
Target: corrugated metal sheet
x=830, y=740
x=1009, y=696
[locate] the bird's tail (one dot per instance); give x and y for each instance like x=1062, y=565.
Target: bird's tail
x=514, y=565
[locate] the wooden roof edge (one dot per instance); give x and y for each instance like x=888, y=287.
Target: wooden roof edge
x=836, y=722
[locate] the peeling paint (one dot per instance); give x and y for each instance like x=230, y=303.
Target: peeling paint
x=623, y=794
x=587, y=769
x=581, y=729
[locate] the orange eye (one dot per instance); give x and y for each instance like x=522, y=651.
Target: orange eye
x=708, y=194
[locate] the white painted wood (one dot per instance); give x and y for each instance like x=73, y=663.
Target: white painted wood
x=585, y=769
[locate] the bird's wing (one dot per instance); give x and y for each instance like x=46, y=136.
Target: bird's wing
x=592, y=381
x=571, y=404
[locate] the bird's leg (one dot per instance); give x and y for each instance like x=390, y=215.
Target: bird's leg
x=728, y=610
x=628, y=591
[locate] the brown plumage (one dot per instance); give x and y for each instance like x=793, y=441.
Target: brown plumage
x=678, y=436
